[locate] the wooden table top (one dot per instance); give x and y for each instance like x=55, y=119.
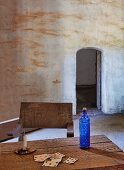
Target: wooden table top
x=102, y=155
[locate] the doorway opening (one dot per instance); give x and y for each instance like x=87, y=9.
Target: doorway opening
x=88, y=79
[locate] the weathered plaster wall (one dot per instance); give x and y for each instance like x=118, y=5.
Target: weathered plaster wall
x=38, y=44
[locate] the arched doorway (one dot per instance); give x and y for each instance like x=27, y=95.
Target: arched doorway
x=88, y=78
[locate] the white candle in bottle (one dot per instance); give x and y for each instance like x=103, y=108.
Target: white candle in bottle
x=24, y=142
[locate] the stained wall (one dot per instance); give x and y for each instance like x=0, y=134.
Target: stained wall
x=38, y=44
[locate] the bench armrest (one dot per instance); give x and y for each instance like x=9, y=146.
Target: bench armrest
x=16, y=132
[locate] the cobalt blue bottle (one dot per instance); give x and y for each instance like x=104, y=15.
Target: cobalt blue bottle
x=84, y=130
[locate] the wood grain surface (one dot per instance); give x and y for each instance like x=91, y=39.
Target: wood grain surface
x=102, y=155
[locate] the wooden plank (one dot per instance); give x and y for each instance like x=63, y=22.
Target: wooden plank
x=99, y=139
x=45, y=115
x=98, y=157
x=109, y=147
x=6, y=128
x=86, y=159
x=115, y=167
x=64, y=142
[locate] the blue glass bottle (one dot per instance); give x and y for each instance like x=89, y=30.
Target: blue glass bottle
x=84, y=130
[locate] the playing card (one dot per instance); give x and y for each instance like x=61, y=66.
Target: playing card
x=52, y=162
x=42, y=157
x=70, y=160
x=57, y=155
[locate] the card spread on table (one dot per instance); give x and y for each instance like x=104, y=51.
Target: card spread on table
x=52, y=162
x=42, y=157
x=70, y=160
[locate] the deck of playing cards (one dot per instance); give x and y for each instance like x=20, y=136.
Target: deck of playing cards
x=52, y=160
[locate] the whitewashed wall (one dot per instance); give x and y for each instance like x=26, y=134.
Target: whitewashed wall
x=38, y=44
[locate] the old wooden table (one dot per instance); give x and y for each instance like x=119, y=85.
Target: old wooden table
x=103, y=154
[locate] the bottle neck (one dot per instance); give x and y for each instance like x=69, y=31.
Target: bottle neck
x=84, y=113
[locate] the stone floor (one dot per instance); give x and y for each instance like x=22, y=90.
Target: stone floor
x=110, y=125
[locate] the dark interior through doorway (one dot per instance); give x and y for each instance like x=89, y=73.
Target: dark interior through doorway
x=88, y=78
